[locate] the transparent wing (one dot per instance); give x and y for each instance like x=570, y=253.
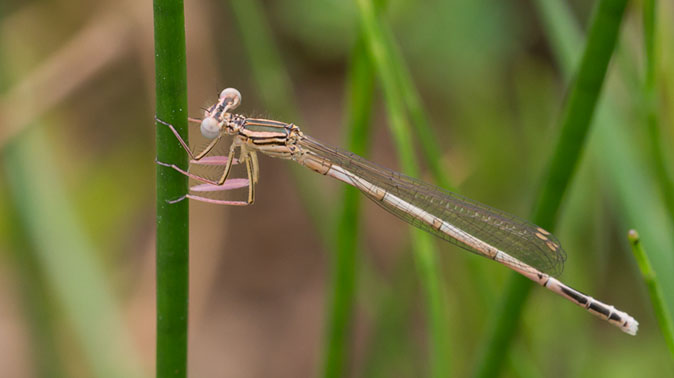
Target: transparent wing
x=510, y=234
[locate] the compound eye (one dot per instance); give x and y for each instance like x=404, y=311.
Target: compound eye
x=210, y=128
x=231, y=96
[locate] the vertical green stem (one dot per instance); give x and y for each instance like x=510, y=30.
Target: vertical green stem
x=265, y=60
x=74, y=274
x=430, y=147
x=47, y=355
x=344, y=265
x=59, y=265
x=275, y=89
x=172, y=219
x=38, y=310
x=651, y=106
x=423, y=248
x=654, y=290
x=629, y=183
x=574, y=126
x=579, y=109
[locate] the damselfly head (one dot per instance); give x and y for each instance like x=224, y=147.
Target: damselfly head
x=218, y=115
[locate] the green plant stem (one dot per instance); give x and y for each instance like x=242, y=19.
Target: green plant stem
x=630, y=184
x=344, y=265
x=387, y=356
x=650, y=94
x=275, y=90
x=430, y=146
x=265, y=60
x=172, y=219
x=46, y=354
x=400, y=129
x=579, y=109
x=654, y=290
x=574, y=126
x=429, y=142
x=37, y=304
x=66, y=256
x=58, y=263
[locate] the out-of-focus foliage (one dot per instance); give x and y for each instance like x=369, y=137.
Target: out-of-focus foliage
x=493, y=78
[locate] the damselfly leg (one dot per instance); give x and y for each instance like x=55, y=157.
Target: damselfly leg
x=251, y=168
x=222, y=184
x=187, y=148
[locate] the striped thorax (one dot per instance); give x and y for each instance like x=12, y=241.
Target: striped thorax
x=273, y=138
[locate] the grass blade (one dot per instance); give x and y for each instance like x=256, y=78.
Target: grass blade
x=399, y=125
x=266, y=64
x=37, y=304
x=66, y=257
x=56, y=255
x=422, y=126
x=275, y=90
x=654, y=290
x=579, y=109
x=172, y=219
x=650, y=92
x=574, y=126
x=430, y=147
x=344, y=264
x=635, y=191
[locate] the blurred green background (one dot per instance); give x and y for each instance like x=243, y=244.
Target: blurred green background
x=77, y=216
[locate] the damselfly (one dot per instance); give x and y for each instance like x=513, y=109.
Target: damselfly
x=513, y=242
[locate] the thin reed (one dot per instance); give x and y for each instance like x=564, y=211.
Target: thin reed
x=574, y=125
x=172, y=218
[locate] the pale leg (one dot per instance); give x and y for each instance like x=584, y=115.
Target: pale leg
x=184, y=145
x=252, y=174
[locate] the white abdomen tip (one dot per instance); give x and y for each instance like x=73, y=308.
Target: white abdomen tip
x=631, y=327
